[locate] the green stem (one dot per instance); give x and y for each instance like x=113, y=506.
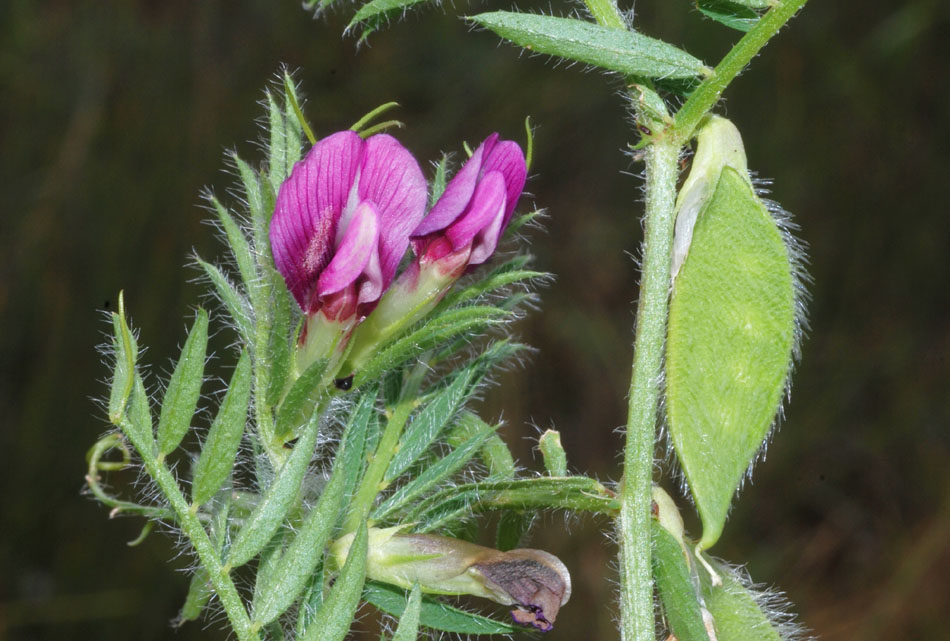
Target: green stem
x=707, y=94
x=372, y=482
x=606, y=13
x=198, y=536
x=636, y=585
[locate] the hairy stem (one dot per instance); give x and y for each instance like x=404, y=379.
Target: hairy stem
x=606, y=13
x=191, y=525
x=636, y=585
x=373, y=479
x=707, y=94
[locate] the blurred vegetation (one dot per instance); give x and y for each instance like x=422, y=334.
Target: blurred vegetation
x=114, y=115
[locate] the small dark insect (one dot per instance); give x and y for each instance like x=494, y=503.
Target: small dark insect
x=344, y=383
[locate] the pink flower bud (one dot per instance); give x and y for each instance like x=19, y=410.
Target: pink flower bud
x=464, y=226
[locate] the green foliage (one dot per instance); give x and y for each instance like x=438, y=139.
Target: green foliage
x=276, y=500
x=224, y=438
x=675, y=587
x=627, y=52
x=729, y=345
x=408, y=626
x=332, y=621
x=434, y=614
x=184, y=387
x=736, y=15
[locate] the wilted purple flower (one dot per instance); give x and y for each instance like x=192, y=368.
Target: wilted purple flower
x=464, y=226
x=342, y=222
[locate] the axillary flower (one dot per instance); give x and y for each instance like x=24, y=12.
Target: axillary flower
x=534, y=581
x=341, y=225
x=461, y=231
x=464, y=226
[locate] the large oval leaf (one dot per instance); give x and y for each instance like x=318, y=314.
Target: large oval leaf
x=729, y=346
x=628, y=52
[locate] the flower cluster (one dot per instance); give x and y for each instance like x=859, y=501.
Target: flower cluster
x=349, y=211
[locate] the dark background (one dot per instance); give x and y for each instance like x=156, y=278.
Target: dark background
x=114, y=115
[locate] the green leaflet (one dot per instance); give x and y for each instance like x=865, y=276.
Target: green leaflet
x=373, y=13
x=220, y=448
x=199, y=593
x=305, y=551
x=233, y=300
x=184, y=388
x=433, y=613
x=678, y=595
x=429, y=423
x=277, y=499
x=283, y=150
x=298, y=405
x=628, y=52
x=239, y=246
x=437, y=472
x=126, y=352
x=736, y=14
x=333, y=620
x=452, y=323
x=729, y=345
x=409, y=620
x=279, y=348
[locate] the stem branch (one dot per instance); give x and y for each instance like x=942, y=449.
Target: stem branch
x=707, y=94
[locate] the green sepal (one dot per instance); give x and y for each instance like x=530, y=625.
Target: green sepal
x=408, y=628
x=305, y=551
x=298, y=405
x=729, y=346
x=678, y=594
x=184, y=387
x=439, y=180
x=433, y=613
x=627, y=52
x=277, y=499
x=220, y=448
x=333, y=620
x=435, y=473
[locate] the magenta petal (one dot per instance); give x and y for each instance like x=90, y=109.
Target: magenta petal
x=508, y=158
x=457, y=193
x=391, y=179
x=308, y=206
x=360, y=243
x=488, y=203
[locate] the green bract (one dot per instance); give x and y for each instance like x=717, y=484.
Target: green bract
x=732, y=331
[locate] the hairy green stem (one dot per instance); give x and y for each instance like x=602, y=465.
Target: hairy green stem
x=707, y=94
x=372, y=482
x=636, y=585
x=606, y=13
x=191, y=525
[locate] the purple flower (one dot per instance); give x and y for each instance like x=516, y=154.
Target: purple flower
x=464, y=226
x=342, y=221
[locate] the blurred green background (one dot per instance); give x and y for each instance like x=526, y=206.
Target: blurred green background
x=115, y=115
